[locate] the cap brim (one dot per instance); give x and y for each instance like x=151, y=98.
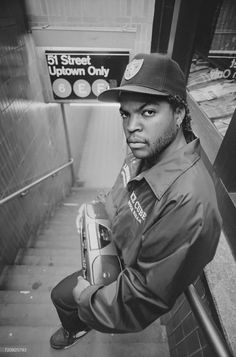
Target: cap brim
x=113, y=94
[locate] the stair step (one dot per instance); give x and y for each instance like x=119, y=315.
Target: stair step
x=57, y=222
x=153, y=333
x=58, y=243
x=28, y=315
x=91, y=345
x=69, y=210
x=58, y=237
x=35, y=339
x=24, y=335
x=54, y=236
x=59, y=230
x=94, y=349
x=64, y=212
x=40, y=256
x=26, y=277
x=47, y=234
x=24, y=297
x=81, y=195
x=51, y=252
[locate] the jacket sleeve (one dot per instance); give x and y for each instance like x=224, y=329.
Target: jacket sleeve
x=173, y=252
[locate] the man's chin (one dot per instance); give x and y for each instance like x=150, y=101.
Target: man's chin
x=139, y=154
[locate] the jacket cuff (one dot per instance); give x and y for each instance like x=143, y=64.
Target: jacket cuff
x=84, y=305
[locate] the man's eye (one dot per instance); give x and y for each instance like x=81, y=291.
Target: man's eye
x=149, y=113
x=124, y=115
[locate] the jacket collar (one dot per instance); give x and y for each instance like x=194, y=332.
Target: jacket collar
x=164, y=173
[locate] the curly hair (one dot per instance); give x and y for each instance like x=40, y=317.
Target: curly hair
x=178, y=102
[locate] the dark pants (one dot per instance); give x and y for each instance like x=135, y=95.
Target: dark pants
x=65, y=304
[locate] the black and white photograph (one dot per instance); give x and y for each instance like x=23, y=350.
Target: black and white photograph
x=117, y=178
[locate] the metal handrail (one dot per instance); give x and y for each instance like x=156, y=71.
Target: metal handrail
x=23, y=191
x=212, y=334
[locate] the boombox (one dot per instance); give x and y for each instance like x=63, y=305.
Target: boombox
x=100, y=261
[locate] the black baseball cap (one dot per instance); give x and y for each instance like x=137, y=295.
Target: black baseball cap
x=154, y=74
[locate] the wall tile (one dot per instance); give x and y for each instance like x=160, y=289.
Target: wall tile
x=28, y=129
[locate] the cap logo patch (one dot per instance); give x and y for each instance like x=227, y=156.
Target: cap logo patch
x=133, y=68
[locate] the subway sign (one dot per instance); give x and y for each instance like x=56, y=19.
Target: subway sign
x=77, y=75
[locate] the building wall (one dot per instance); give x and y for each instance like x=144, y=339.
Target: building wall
x=32, y=138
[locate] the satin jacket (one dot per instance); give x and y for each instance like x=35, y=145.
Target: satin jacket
x=166, y=226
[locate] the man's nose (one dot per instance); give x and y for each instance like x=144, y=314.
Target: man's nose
x=133, y=123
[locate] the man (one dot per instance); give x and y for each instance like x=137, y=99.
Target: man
x=163, y=209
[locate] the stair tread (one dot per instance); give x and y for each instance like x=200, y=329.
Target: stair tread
x=90, y=347
x=96, y=349
x=55, y=251
x=29, y=334
x=70, y=238
x=62, y=229
x=50, y=260
x=57, y=222
x=59, y=243
x=26, y=269
x=24, y=297
x=28, y=314
x=59, y=230
x=25, y=277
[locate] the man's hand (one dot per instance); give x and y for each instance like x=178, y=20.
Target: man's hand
x=81, y=285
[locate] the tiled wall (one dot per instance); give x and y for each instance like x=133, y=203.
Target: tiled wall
x=32, y=138
x=128, y=14
x=185, y=336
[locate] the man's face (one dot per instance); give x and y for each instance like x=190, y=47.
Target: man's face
x=149, y=124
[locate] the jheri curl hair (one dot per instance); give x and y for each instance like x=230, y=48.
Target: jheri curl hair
x=178, y=102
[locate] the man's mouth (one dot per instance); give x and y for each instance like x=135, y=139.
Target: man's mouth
x=136, y=143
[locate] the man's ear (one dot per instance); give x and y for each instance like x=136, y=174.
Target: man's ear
x=179, y=115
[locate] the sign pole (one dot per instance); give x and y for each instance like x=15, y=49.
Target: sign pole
x=67, y=141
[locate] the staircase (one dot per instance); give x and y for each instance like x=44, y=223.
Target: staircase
x=27, y=316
